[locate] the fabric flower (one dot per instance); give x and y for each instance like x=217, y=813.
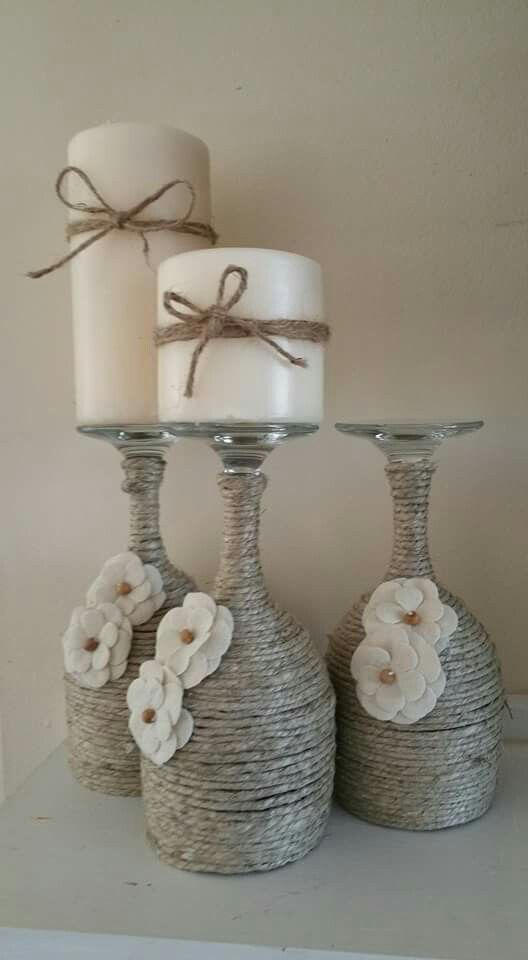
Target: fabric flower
x=158, y=722
x=398, y=675
x=413, y=604
x=193, y=638
x=136, y=588
x=96, y=644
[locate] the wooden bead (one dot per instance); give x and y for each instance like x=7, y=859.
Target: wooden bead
x=412, y=619
x=387, y=676
x=123, y=588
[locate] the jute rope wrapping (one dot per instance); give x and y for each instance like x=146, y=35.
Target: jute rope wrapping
x=442, y=770
x=217, y=321
x=102, y=753
x=101, y=218
x=252, y=788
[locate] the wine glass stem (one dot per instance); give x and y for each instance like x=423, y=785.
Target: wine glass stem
x=410, y=484
x=239, y=580
x=143, y=476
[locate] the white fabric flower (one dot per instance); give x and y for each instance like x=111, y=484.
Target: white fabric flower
x=193, y=638
x=96, y=644
x=136, y=588
x=398, y=675
x=413, y=604
x=158, y=722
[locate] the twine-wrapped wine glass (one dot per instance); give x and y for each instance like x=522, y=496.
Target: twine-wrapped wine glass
x=102, y=753
x=442, y=769
x=252, y=788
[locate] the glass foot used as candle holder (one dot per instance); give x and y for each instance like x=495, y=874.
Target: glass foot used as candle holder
x=103, y=755
x=442, y=769
x=252, y=788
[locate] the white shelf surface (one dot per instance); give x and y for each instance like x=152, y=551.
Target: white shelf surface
x=71, y=860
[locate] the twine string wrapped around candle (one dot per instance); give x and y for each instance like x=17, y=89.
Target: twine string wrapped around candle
x=216, y=321
x=103, y=218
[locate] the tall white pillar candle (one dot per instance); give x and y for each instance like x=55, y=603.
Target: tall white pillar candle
x=113, y=287
x=243, y=379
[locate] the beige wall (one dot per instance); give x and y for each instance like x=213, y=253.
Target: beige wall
x=386, y=138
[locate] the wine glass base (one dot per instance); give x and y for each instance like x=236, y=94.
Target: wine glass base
x=132, y=439
x=242, y=445
x=408, y=439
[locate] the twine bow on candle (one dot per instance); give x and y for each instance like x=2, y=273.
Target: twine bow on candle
x=103, y=218
x=216, y=321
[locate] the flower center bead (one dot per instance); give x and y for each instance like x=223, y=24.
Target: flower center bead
x=387, y=676
x=186, y=636
x=123, y=588
x=412, y=619
x=91, y=644
x=148, y=715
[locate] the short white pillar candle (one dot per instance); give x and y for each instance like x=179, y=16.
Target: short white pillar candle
x=113, y=286
x=243, y=379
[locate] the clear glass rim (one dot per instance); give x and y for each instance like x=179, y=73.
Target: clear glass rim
x=132, y=439
x=241, y=445
x=403, y=430
x=241, y=428
x=409, y=441
x=124, y=431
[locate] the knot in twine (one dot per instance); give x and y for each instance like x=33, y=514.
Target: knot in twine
x=103, y=218
x=217, y=321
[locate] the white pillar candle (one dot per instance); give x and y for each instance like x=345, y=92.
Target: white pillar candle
x=243, y=379
x=113, y=287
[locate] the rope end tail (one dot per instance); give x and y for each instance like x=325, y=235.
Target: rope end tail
x=36, y=274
